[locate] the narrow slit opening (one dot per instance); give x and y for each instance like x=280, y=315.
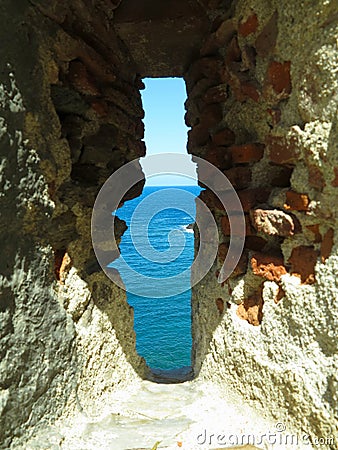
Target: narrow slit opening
x=159, y=240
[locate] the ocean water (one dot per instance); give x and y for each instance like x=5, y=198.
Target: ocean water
x=159, y=247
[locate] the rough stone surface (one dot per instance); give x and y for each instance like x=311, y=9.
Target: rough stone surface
x=273, y=222
x=282, y=93
x=62, y=345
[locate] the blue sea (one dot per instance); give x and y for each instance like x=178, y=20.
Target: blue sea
x=158, y=251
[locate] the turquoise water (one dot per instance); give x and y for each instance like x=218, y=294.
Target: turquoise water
x=158, y=245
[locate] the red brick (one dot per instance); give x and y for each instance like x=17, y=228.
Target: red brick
x=248, y=26
x=327, y=244
x=225, y=225
x=251, y=309
x=211, y=115
x=219, y=157
x=266, y=40
x=315, y=230
x=247, y=153
x=295, y=201
x=272, y=222
x=303, y=260
x=239, y=177
x=279, y=77
x=250, y=89
x=224, y=137
x=282, y=151
x=250, y=198
x=269, y=267
x=334, y=182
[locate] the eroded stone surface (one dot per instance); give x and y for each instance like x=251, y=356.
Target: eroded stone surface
x=273, y=222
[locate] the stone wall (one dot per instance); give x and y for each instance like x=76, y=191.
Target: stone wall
x=71, y=114
x=262, y=104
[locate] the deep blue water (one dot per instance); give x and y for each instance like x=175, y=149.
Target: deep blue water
x=164, y=251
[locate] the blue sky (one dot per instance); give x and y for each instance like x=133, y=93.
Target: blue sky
x=165, y=130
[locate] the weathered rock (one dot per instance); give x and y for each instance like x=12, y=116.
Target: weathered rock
x=272, y=222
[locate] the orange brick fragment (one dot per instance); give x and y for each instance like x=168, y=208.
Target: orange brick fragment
x=303, y=260
x=279, y=77
x=297, y=202
x=267, y=266
x=224, y=137
x=281, y=151
x=247, y=153
x=251, y=309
